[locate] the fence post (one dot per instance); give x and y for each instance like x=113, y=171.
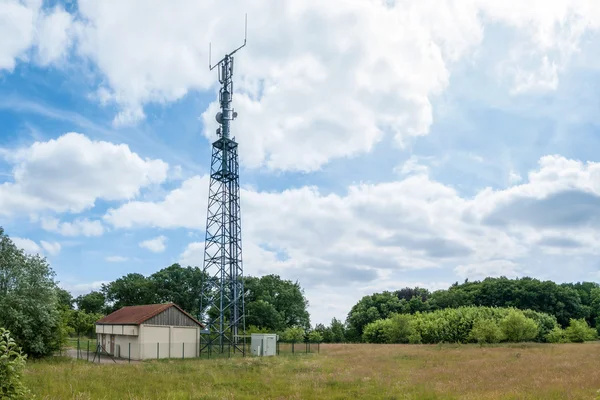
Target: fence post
x=129, y=354
x=88, y=351
x=292, y=347
x=183, y=351
x=318, y=347
x=157, y=350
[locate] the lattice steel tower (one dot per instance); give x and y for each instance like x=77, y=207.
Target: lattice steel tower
x=222, y=299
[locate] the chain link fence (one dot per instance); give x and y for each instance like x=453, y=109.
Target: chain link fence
x=127, y=351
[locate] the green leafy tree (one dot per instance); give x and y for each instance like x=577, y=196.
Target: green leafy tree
x=453, y=298
x=65, y=300
x=370, y=309
x=93, y=302
x=293, y=335
x=516, y=327
x=579, y=331
x=255, y=329
x=377, y=331
x=545, y=322
x=486, y=331
x=12, y=363
x=338, y=331
x=83, y=323
x=29, y=305
x=315, y=337
x=289, y=305
x=182, y=286
x=130, y=290
x=264, y=314
x=595, y=307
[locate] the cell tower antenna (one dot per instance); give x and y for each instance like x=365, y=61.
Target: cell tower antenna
x=210, y=66
x=222, y=308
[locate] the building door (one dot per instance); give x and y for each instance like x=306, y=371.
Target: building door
x=112, y=344
x=269, y=346
x=103, y=342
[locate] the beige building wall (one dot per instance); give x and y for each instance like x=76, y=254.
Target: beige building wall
x=154, y=341
x=149, y=341
x=184, y=342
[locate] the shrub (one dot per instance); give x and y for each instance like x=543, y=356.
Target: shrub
x=486, y=331
x=12, y=362
x=377, y=331
x=557, y=335
x=579, y=331
x=400, y=329
x=516, y=327
x=546, y=323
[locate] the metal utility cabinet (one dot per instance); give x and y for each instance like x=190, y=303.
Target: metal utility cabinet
x=263, y=344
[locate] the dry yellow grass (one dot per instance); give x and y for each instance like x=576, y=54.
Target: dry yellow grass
x=567, y=371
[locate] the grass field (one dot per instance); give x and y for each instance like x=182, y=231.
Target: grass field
x=530, y=371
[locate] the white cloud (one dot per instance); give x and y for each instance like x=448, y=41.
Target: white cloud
x=78, y=227
x=24, y=25
x=71, y=172
x=514, y=177
x=356, y=69
x=116, y=259
x=156, y=245
x=77, y=289
x=172, y=212
x=52, y=248
x=28, y=245
x=54, y=35
x=491, y=268
x=31, y=247
x=193, y=255
x=16, y=30
x=411, y=166
x=410, y=224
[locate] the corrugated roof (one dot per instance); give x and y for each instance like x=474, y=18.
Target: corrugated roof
x=135, y=315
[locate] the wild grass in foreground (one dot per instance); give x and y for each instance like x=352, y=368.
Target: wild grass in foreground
x=531, y=371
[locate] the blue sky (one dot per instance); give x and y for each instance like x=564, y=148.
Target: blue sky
x=383, y=144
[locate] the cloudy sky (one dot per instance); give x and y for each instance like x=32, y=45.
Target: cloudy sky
x=383, y=143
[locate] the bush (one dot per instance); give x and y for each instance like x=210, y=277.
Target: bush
x=557, y=335
x=399, y=329
x=546, y=323
x=461, y=325
x=12, y=362
x=377, y=331
x=516, y=327
x=579, y=331
x=486, y=331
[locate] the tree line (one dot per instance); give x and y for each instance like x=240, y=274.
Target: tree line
x=564, y=302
